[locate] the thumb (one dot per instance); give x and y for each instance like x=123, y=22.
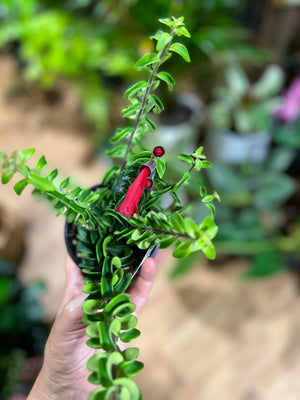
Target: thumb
x=68, y=322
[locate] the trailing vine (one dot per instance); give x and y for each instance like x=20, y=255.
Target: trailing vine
x=120, y=215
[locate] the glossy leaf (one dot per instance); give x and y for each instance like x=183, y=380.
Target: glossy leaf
x=180, y=49
x=177, y=222
x=136, y=90
x=7, y=176
x=41, y=163
x=160, y=167
x=53, y=174
x=187, y=158
x=129, y=335
x=121, y=134
x=158, y=105
x=131, y=368
x=167, y=78
x=146, y=61
x=20, y=186
x=91, y=306
x=163, y=40
x=166, y=242
x=40, y=183
x=118, y=151
x=64, y=184
x=183, y=249
x=25, y=155
x=116, y=302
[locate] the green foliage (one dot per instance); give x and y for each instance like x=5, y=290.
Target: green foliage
x=109, y=242
x=20, y=321
x=245, y=107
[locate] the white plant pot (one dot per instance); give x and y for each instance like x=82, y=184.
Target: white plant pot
x=232, y=148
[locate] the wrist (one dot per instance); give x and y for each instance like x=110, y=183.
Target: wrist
x=41, y=389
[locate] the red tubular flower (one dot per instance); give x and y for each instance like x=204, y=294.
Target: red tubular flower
x=129, y=205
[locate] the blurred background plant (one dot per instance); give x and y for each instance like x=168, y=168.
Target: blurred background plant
x=88, y=47
x=22, y=331
x=92, y=44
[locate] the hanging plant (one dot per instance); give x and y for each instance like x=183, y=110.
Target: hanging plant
x=108, y=223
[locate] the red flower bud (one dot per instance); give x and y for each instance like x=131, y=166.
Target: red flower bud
x=129, y=205
x=158, y=151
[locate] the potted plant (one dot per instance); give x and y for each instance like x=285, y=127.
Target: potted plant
x=108, y=224
x=241, y=115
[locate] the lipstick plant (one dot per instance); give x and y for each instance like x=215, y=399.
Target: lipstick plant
x=113, y=225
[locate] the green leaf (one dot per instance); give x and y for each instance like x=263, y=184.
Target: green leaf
x=211, y=208
x=167, y=21
x=158, y=105
x=177, y=222
x=131, y=353
x=121, y=134
x=187, y=158
x=146, y=60
x=131, y=368
x=180, y=49
x=64, y=183
x=115, y=303
x=92, y=306
x=106, y=340
x=97, y=394
x=106, y=287
x=151, y=125
x=202, y=191
x=155, y=85
x=191, y=227
x=131, y=111
x=163, y=40
x=209, y=250
x=182, y=180
x=20, y=186
x=142, y=156
x=53, y=174
x=41, y=163
x=40, y=183
x=92, y=287
x=207, y=198
x=92, y=364
x=160, y=167
x=167, y=78
x=7, y=176
x=26, y=154
x=206, y=164
x=183, y=249
x=166, y=242
x=118, y=151
x=209, y=227
x=129, y=335
x=114, y=360
x=182, y=31
x=135, y=90
x=131, y=386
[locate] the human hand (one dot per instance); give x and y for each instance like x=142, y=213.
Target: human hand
x=64, y=373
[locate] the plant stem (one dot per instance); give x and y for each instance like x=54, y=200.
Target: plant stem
x=152, y=76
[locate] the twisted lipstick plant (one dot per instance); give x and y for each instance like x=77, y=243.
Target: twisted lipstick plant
x=123, y=214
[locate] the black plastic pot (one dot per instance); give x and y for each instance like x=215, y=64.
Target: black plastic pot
x=70, y=233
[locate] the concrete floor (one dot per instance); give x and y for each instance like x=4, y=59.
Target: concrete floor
x=208, y=336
